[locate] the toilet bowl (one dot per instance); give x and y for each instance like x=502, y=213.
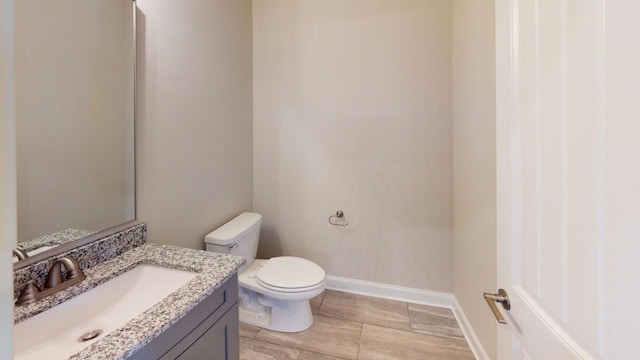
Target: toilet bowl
x=274, y=293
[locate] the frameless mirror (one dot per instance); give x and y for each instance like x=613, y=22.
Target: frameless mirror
x=74, y=73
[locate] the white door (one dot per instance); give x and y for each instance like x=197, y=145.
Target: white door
x=568, y=156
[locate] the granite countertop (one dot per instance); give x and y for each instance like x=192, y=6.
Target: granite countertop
x=213, y=270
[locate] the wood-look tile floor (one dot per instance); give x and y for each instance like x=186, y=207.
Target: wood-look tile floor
x=354, y=327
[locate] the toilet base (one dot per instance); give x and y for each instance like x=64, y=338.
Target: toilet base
x=278, y=315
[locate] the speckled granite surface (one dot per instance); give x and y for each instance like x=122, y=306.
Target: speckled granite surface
x=213, y=270
x=93, y=253
x=57, y=238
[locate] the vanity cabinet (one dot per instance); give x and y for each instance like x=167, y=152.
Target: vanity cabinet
x=207, y=332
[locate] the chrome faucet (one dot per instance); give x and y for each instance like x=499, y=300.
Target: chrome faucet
x=55, y=281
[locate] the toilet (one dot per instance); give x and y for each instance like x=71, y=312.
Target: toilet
x=274, y=293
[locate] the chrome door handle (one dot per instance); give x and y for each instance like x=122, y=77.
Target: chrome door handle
x=500, y=297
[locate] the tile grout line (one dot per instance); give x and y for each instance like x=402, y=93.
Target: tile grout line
x=444, y=336
x=311, y=351
x=297, y=348
x=360, y=341
x=323, y=354
x=422, y=334
x=279, y=345
x=409, y=317
x=338, y=317
x=321, y=302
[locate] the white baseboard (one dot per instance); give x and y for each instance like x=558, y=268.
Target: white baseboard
x=416, y=296
x=391, y=292
x=467, y=330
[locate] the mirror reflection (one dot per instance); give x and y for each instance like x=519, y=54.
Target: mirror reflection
x=75, y=108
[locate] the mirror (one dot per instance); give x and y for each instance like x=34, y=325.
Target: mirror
x=74, y=73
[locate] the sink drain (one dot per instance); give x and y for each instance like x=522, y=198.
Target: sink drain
x=90, y=335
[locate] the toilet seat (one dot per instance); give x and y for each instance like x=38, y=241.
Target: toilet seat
x=290, y=274
x=248, y=279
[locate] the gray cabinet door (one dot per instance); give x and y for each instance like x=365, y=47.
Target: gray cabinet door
x=220, y=342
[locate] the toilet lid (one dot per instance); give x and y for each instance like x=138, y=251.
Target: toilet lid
x=290, y=272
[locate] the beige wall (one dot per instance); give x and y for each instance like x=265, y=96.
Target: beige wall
x=8, y=222
x=194, y=140
x=474, y=164
x=352, y=111
x=74, y=105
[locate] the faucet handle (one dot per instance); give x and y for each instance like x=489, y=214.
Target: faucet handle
x=28, y=294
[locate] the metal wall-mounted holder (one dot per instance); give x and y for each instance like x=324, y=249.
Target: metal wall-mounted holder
x=339, y=215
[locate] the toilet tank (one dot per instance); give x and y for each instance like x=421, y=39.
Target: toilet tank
x=239, y=236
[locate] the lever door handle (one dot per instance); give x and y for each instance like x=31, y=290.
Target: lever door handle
x=500, y=297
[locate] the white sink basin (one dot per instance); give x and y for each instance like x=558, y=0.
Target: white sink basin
x=54, y=333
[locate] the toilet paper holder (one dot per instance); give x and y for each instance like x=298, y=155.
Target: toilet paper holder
x=339, y=215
